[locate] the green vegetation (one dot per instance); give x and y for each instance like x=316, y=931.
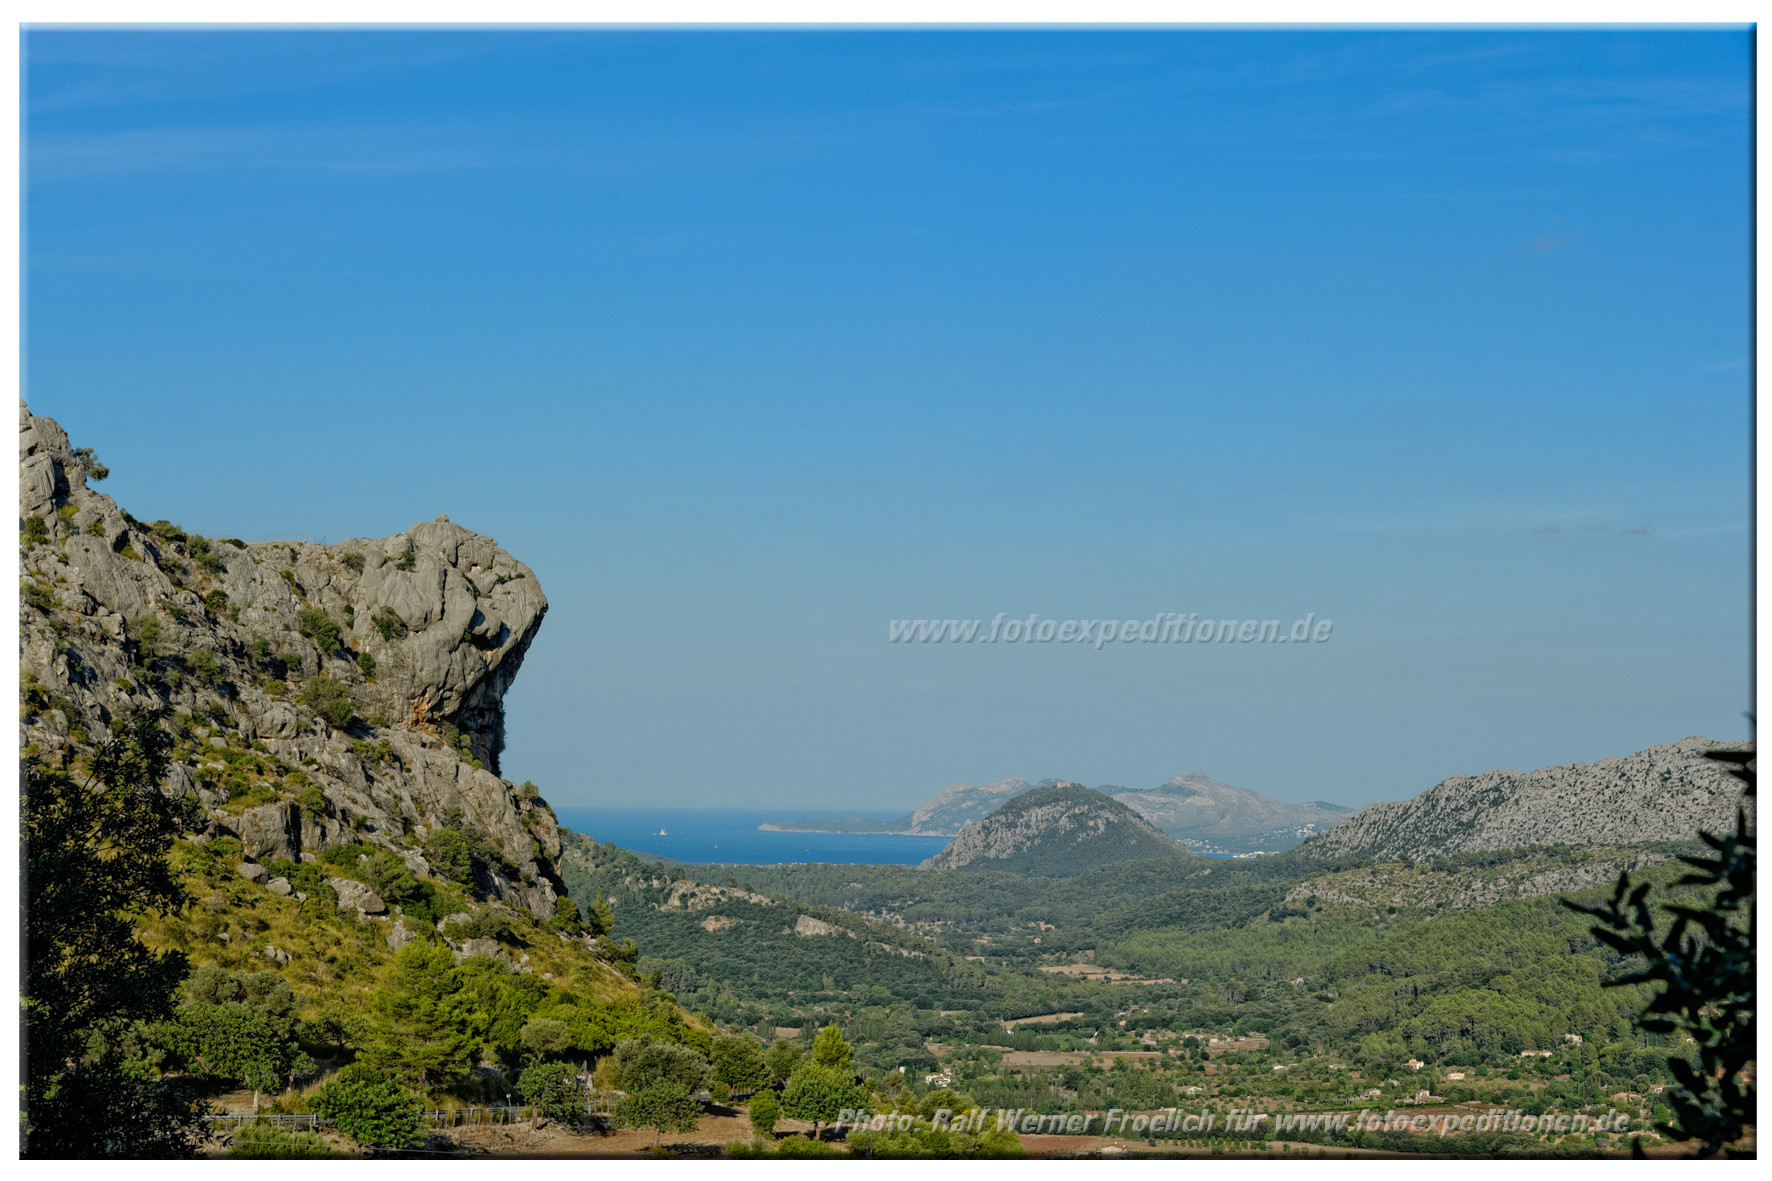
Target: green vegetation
x=94, y=862
x=35, y=531
x=554, y=1088
x=1705, y=964
x=389, y=625
x=352, y=561
x=321, y=628
x=372, y=1108
x=407, y=561
x=329, y=699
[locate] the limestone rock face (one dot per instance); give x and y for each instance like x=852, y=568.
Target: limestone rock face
x=1663, y=793
x=422, y=633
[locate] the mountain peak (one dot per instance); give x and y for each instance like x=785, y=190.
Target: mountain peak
x=1055, y=831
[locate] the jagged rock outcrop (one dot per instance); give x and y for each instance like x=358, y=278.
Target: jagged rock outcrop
x=408, y=642
x=1664, y=793
x=1210, y=816
x=1055, y=832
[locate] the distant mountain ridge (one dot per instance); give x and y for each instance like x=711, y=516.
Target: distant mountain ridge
x=1056, y=831
x=1663, y=793
x=1196, y=809
x=1207, y=815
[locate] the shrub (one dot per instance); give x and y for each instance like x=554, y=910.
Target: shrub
x=390, y=625
x=312, y=799
x=448, y=852
x=203, y=665
x=320, y=627
x=372, y=1108
x=366, y=662
x=40, y=597
x=96, y=527
x=765, y=1111
x=738, y=1060
x=543, y=1036
x=353, y=562
x=267, y=1141
x=408, y=561
x=552, y=1086
x=35, y=531
x=565, y=917
x=663, y=1106
x=216, y=600
x=89, y=460
x=144, y=632
x=329, y=699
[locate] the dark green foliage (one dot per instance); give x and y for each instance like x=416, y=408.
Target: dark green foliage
x=407, y=561
x=239, y=1026
x=565, y=917
x=144, y=634
x=389, y=625
x=89, y=460
x=216, y=600
x=640, y=1062
x=203, y=666
x=553, y=1087
x=447, y=851
x=738, y=1061
x=781, y=1058
x=546, y=1036
x=352, y=561
x=329, y=699
x=419, y=1035
x=765, y=1111
x=95, y=854
x=830, y=1049
x=35, y=531
x=267, y=1141
x=366, y=662
x=38, y=596
x=662, y=1106
x=372, y=1108
x=817, y=1093
x=319, y=627
x=1705, y=965
x=203, y=554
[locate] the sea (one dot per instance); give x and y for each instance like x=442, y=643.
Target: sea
x=703, y=836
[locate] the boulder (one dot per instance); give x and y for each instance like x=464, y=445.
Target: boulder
x=280, y=886
x=270, y=831
x=354, y=895
x=253, y=873
x=399, y=937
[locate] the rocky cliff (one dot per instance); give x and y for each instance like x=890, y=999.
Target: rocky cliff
x=960, y=804
x=1664, y=793
x=1055, y=832
x=321, y=694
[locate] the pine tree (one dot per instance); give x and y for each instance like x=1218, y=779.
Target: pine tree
x=419, y=1036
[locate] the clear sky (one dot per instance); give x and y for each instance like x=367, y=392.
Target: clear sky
x=748, y=342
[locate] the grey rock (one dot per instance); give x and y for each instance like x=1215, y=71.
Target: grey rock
x=486, y=947
x=469, y=611
x=253, y=873
x=280, y=957
x=354, y=895
x=268, y=832
x=1663, y=793
x=280, y=886
x=454, y=918
x=399, y=937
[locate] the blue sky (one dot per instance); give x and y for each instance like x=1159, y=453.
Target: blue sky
x=748, y=342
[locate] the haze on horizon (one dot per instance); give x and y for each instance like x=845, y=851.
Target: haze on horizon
x=749, y=342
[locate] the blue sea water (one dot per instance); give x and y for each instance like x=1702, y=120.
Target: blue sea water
x=730, y=836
